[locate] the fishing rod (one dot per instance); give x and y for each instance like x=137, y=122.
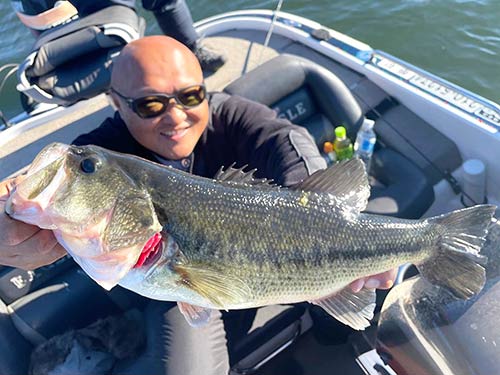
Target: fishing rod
x=270, y=31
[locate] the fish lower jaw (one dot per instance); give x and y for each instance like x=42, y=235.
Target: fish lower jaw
x=29, y=212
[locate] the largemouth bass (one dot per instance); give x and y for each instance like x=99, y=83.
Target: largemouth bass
x=235, y=242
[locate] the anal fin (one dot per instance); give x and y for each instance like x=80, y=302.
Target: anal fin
x=196, y=316
x=352, y=309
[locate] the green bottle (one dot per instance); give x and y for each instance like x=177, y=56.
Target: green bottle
x=342, y=145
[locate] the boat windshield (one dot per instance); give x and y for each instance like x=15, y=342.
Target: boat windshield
x=424, y=329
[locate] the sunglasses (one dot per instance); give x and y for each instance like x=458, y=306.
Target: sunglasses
x=155, y=105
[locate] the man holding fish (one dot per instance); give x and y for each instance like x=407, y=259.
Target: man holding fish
x=165, y=115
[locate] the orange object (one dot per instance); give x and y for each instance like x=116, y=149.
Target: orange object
x=327, y=147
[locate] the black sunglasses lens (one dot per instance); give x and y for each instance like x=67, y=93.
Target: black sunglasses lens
x=192, y=96
x=150, y=106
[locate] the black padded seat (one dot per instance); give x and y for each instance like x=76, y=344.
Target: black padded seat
x=310, y=95
x=304, y=92
x=72, y=62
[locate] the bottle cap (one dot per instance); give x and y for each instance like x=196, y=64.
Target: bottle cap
x=327, y=147
x=368, y=124
x=340, y=132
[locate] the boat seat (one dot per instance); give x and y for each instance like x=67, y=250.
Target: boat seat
x=309, y=95
x=72, y=61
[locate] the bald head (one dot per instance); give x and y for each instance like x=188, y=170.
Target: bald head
x=152, y=66
x=155, y=57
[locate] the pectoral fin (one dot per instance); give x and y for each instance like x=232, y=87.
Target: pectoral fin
x=352, y=309
x=196, y=316
x=216, y=286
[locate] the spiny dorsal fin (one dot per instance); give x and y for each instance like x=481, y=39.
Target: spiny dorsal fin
x=219, y=288
x=346, y=180
x=237, y=175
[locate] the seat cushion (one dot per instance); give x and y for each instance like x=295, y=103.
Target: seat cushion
x=73, y=61
x=291, y=76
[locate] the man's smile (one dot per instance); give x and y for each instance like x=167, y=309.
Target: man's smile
x=175, y=134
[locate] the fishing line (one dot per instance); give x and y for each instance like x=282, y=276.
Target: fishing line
x=457, y=189
x=270, y=31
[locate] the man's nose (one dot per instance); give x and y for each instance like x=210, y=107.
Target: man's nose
x=175, y=112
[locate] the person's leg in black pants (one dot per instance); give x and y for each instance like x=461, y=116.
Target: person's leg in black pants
x=174, y=19
x=174, y=347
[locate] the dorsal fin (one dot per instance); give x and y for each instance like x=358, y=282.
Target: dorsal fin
x=346, y=180
x=237, y=175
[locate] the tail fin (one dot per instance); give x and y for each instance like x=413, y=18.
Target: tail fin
x=456, y=266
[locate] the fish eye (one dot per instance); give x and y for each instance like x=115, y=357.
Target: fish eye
x=89, y=165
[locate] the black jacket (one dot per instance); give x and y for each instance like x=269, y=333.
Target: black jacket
x=239, y=132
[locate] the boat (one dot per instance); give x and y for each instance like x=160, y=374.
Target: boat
x=437, y=150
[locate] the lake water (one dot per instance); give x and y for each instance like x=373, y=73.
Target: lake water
x=458, y=40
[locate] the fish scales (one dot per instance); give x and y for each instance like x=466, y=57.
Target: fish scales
x=236, y=227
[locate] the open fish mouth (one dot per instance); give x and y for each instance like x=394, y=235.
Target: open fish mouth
x=47, y=156
x=35, y=192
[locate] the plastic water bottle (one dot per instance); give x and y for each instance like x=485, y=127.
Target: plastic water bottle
x=342, y=145
x=365, y=142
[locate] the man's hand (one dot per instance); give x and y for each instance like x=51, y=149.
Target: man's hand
x=383, y=280
x=22, y=245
